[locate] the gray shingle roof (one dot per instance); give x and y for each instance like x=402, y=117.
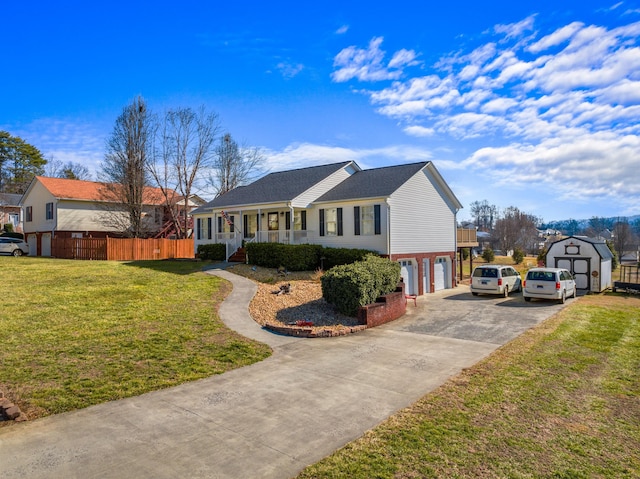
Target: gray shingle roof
x=373, y=183
x=10, y=199
x=275, y=187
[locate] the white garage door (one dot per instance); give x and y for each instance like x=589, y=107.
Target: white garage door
x=46, y=244
x=406, y=271
x=32, y=241
x=439, y=275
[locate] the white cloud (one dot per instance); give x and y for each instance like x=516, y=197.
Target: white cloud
x=289, y=70
x=560, y=108
x=559, y=36
x=419, y=131
x=300, y=155
x=368, y=64
x=66, y=140
x=595, y=166
x=342, y=30
x=513, y=30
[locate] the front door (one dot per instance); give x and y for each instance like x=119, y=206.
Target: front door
x=406, y=272
x=273, y=226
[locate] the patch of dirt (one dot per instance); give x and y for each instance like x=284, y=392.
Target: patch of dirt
x=303, y=305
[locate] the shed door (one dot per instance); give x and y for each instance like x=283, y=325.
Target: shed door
x=439, y=275
x=580, y=269
x=406, y=271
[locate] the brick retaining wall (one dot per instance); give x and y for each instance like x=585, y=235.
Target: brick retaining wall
x=386, y=308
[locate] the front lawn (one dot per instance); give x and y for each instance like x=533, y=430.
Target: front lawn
x=77, y=333
x=560, y=401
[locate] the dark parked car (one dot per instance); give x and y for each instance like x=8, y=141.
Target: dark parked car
x=14, y=246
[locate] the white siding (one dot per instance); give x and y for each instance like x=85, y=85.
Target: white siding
x=421, y=220
x=319, y=189
x=349, y=239
x=38, y=198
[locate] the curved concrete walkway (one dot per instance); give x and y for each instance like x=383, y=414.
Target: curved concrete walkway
x=273, y=418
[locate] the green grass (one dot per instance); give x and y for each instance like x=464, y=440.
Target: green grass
x=77, y=333
x=561, y=401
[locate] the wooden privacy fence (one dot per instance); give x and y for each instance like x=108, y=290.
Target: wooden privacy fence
x=121, y=249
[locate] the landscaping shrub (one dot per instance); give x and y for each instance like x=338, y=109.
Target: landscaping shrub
x=338, y=256
x=304, y=257
x=8, y=227
x=350, y=286
x=542, y=257
x=488, y=255
x=518, y=255
x=212, y=252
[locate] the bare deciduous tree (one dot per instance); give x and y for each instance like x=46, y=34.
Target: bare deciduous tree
x=623, y=236
x=124, y=171
x=235, y=165
x=185, y=150
x=516, y=229
x=484, y=215
x=69, y=170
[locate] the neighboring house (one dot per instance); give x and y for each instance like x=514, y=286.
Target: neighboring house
x=10, y=211
x=589, y=259
x=405, y=212
x=62, y=208
x=169, y=229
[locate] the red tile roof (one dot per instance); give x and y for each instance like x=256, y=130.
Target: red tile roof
x=91, y=190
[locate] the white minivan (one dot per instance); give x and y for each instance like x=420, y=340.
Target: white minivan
x=549, y=283
x=495, y=279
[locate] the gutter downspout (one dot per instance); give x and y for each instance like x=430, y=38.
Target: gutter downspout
x=388, y=227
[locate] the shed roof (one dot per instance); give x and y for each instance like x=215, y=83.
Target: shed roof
x=599, y=245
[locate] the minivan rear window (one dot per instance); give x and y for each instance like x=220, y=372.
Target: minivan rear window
x=485, y=273
x=541, y=276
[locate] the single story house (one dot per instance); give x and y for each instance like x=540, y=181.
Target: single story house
x=405, y=212
x=10, y=211
x=63, y=208
x=590, y=261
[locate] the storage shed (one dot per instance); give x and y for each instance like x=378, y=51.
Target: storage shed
x=589, y=260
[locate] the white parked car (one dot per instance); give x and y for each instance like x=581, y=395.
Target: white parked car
x=549, y=283
x=495, y=279
x=14, y=246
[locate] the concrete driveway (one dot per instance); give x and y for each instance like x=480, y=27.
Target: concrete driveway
x=273, y=418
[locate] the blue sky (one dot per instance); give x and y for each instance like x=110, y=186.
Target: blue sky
x=527, y=104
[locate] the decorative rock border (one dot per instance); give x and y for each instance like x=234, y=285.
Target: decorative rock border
x=387, y=308
x=9, y=411
x=313, y=332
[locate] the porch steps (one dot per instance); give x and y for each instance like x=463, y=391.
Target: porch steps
x=240, y=256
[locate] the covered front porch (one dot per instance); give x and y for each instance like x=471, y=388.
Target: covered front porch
x=235, y=227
